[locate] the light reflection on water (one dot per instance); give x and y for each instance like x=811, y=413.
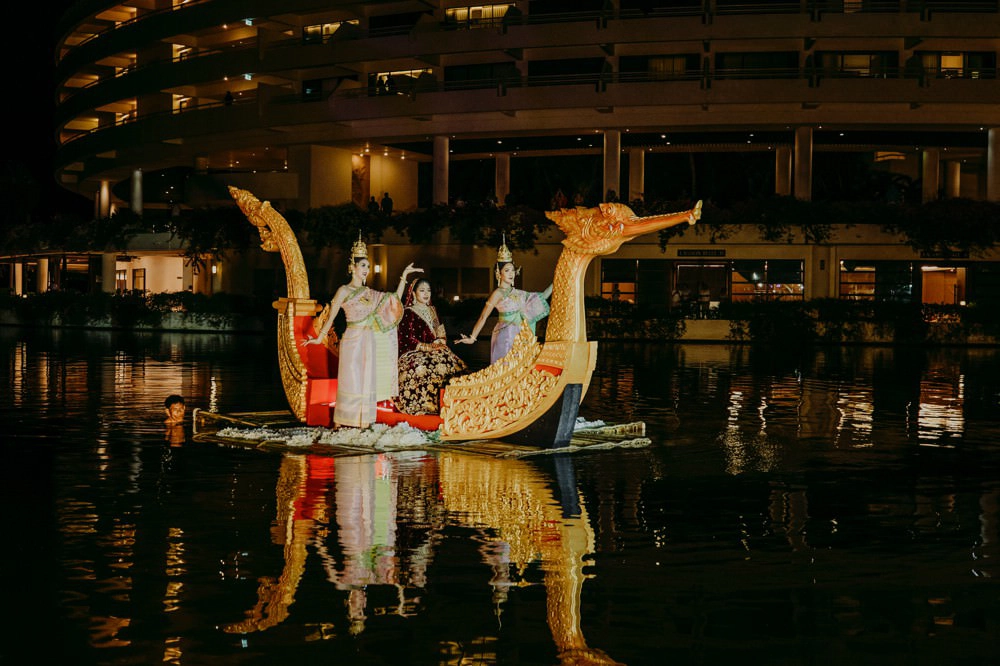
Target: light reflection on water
x=838, y=506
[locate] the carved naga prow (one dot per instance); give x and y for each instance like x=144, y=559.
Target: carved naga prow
x=296, y=312
x=533, y=394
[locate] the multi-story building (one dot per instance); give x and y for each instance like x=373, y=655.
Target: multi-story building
x=309, y=102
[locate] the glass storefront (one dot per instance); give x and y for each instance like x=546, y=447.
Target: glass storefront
x=768, y=280
x=876, y=280
x=932, y=283
x=699, y=288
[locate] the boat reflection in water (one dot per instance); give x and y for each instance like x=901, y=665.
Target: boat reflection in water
x=508, y=505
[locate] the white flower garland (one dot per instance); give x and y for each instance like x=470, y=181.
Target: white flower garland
x=378, y=437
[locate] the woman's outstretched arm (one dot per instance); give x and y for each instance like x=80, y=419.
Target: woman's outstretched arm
x=487, y=310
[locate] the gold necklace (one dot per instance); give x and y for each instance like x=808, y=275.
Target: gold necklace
x=425, y=312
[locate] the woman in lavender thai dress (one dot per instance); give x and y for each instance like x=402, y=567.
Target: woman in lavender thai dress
x=512, y=305
x=367, y=372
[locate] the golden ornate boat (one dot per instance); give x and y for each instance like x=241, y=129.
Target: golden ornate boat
x=531, y=396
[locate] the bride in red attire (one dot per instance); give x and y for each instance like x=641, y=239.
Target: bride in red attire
x=425, y=362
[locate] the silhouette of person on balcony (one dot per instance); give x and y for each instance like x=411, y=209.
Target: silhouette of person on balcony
x=386, y=204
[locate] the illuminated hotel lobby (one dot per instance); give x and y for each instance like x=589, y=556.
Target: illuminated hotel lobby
x=309, y=104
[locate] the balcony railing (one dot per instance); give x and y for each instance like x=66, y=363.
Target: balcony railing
x=137, y=69
x=722, y=9
x=142, y=17
x=427, y=85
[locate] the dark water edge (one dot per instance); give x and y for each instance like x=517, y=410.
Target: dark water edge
x=826, y=507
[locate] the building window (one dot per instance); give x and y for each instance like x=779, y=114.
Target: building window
x=959, y=65
x=876, y=65
x=121, y=280
x=876, y=280
x=182, y=103
x=768, y=280
x=477, y=16
x=984, y=283
x=619, y=278
x=943, y=285
x=396, y=82
x=139, y=280
x=700, y=288
x=658, y=68
x=321, y=32
x=480, y=75
x=775, y=65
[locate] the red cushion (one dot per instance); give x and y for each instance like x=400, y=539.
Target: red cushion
x=321, y=390
x=422, y=422
x=319, y=414
x=319, y=361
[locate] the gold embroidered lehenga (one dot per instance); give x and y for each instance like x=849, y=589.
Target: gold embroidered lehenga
x=424, y=367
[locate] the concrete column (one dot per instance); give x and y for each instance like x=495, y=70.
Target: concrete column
x=803, y=163
x=104, y=200
x=821, y=264
x=18, y=278
x=993, y=165
x=931, y=174
x=42, y=275
x=108, y=266
x=783, y=171
x=137, y=191
x=501, y=181
x=953, y=179
x=214, y=276
x=188, y=276
x=441, y=160
x=636, y=173
x=612, y=161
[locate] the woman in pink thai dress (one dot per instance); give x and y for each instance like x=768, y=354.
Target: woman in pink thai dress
x=512, y=305
x=367, y=372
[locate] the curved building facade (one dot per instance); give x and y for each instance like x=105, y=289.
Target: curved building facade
x=308, y=103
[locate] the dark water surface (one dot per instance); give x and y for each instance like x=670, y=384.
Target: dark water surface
x=837, y=508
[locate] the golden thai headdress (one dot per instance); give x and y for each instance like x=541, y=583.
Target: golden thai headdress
x=359, y=250
x=503, y=254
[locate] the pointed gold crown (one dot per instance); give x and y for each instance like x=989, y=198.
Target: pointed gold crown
x=359, y=249
x=503, y=254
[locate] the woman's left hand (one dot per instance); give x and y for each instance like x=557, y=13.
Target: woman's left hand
x=410, y=268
